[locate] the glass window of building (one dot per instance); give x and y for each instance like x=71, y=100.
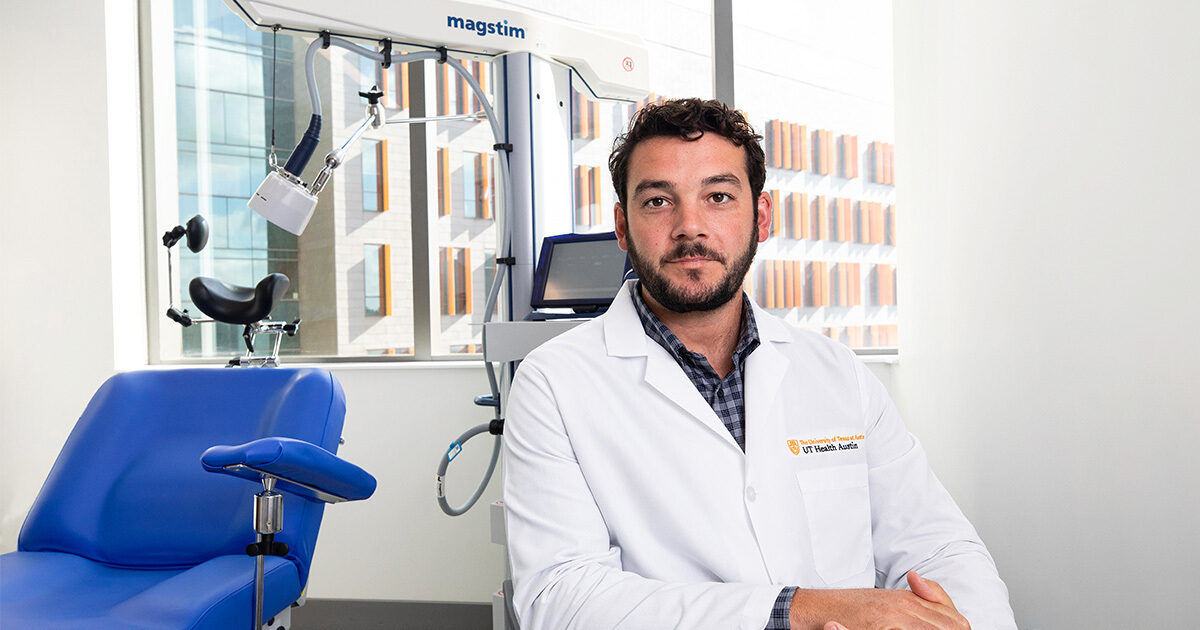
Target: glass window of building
x=462, y=222
x=825, y=110
x=455, y=271
x=374, y=181
x=236, y=89
x=679, y=41
x=469, y=185
x=377, y=267
x=678, y=38
x=370, y=74
x=222, y=74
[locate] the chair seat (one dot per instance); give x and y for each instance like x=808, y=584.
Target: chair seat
x=52, y=590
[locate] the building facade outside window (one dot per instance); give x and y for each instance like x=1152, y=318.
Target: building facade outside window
x=223, y=115
x=470, y=186
x=825, y=111
x=825, y=114
x=223, y=109
x=462, y=225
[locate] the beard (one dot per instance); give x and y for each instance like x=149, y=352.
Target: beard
x=682, y=300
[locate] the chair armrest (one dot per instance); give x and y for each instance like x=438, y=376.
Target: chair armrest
x=303, y=469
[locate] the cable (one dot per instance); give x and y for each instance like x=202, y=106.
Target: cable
x=274, y=53
x=310, y=71
x=504, y=252
x=453, y=452
x=304, y=151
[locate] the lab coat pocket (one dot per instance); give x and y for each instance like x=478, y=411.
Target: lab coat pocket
x=838, y=503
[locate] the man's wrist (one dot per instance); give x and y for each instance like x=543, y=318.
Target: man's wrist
x=781, y=612
x=805, y=608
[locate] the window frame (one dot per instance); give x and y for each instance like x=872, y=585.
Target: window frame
x=160, y=170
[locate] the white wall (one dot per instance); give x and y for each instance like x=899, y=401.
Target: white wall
x=399, y=544
x=1046, y=176
x=56, y=256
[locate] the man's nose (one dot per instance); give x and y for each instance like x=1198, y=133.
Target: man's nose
x=689, y=221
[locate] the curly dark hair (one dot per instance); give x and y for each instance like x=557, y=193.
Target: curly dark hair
x=688, y=118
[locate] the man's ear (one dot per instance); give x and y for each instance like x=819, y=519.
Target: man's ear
x=763, y=220
x=621, y=228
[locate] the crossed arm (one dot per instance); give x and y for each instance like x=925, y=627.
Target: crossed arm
x=925, y=607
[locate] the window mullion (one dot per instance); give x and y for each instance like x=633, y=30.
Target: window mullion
x=419, y=139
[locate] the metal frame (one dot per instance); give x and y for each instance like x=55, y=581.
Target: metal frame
x=723, y=51
x=320, y=494
x=419, y=164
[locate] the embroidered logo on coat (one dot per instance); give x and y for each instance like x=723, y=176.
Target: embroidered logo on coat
x=826, y=444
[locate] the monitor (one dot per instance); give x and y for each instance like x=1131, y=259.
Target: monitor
x=581, y=271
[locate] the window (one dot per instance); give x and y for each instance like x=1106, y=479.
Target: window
x=592, y=142
x=443, y=182
x=372, y=76
x=462, y=221
x=456, y=281
x=374, y=175
x=489, y=268
x=220, y=122
x=470, y=185
x=454, y=95
x=880, y=163
x=679, y=46
x=220, y=119
x=400, y=98
x=377, y=279
x=589, y=206
x=824, y=109
x=477, y=187
x=585, y=114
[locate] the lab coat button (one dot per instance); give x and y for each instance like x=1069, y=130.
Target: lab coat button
x=751, y=494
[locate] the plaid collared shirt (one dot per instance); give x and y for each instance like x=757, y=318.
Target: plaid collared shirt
x=725, y=396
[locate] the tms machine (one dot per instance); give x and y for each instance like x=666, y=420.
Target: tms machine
x=537, y=61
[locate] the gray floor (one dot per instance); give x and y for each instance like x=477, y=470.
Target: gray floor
x=369, y=615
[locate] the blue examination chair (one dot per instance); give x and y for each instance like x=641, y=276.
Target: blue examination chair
x=132, y=529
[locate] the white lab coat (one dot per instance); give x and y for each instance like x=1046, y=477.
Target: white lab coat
x=630, y=505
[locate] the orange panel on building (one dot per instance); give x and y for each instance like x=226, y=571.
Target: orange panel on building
x=822, y=219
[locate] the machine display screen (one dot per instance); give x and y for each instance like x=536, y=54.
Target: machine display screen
x=581, y=271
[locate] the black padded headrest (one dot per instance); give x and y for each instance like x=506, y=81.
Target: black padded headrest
x=197, y=233
x=234, y=304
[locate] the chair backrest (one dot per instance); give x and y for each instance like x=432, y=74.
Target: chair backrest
x=128, y=489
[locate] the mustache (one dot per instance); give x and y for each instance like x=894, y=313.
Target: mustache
x=694, y=249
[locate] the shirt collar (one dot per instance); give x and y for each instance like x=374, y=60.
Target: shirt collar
x=658, y=331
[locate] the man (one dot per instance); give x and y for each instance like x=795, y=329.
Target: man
x=688, y=460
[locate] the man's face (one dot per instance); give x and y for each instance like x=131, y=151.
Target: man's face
x=690, y=226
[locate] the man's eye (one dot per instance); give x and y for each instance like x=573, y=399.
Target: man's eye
x=656, y=202
x=721, y=197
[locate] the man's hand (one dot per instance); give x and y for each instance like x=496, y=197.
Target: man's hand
x=927, y=607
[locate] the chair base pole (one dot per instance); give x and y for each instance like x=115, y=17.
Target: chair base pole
x=259, y=564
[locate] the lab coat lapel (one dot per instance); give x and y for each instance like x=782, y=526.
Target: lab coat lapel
x=665, y=375
x=625, y=337
x=765, y=371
